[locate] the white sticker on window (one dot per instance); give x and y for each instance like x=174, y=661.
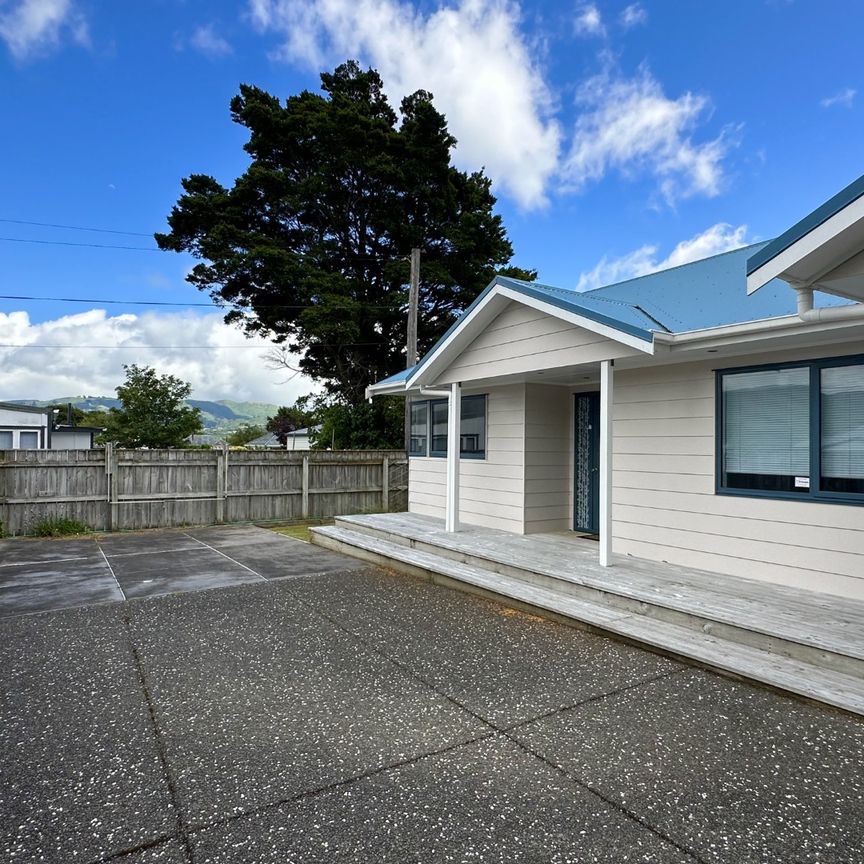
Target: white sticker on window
x=802, y=482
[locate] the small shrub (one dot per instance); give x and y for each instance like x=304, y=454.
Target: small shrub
x=58, y=526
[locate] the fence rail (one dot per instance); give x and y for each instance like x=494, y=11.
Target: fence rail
x=131, y=489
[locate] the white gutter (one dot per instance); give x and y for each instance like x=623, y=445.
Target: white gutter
x=768, y=325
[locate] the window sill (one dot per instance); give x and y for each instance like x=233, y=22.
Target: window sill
x=810, y=498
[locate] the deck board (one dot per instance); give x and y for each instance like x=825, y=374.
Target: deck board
x=821, y=620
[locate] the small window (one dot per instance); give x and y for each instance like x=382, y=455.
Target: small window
x=419, y=441
x=842, y=446
x=429, y=428
x=28, y=441
x=439, y=428
x=766, y=430
x=472, y=438
x=5, y=440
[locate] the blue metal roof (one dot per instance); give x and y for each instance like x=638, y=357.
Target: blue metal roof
x=707, y=293
x=800, y=229
x=395, y=379
x=696, y=296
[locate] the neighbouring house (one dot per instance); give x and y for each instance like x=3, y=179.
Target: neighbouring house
x=28, y=427
x=709, y=416
x=299, y=438
x=267, y=441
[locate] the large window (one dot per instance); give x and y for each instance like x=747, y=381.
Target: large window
x=793, y=430
x=429, y=428
x=6, y=440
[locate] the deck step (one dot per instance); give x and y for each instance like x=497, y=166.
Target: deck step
x=730, y=608
x=812, y=681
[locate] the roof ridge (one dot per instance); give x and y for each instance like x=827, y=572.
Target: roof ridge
x=675, y=267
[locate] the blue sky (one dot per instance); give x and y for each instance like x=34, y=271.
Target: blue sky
x=620, y=136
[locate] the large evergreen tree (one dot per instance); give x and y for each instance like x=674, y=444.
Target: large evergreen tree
x=310, y=244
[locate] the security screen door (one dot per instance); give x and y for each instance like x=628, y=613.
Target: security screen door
x=586, y=462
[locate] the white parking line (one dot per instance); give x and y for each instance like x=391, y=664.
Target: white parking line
x=113, y=574
x=232, y=560
x=46, y=563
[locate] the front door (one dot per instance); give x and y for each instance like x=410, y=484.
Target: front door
x=586, y=462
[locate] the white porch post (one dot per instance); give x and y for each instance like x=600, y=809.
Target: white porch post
x=454, y=423
x=607, y=371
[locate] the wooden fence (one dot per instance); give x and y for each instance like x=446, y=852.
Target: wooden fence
x=117, y=490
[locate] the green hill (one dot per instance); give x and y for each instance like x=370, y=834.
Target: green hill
x=225, y=415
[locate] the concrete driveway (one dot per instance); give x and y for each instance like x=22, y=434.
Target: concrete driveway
x=46, y=575
x=359, y=716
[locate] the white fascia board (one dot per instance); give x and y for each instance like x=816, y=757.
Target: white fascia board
x=483, y=313
x=489, y=308
x=807, y=245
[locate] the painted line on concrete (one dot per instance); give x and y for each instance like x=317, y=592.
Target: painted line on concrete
x=113, y=574
x=228, y=557
x=152, y=552
x=46, y=563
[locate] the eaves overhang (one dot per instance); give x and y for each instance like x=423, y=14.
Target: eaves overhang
x=824, y=250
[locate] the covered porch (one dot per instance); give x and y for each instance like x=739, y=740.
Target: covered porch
x=810, y=644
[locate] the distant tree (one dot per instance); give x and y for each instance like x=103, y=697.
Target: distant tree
x=310, y=244
x=379, y=425
x=246, y=433
x=151, y=413
x=290, y=418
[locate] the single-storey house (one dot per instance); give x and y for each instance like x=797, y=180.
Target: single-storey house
x=24, y=427
x=29, y=427
x=709, y=417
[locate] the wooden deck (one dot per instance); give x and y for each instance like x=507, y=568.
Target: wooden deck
x=808, y=643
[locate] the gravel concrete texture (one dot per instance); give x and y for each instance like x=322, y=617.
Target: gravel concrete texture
x=81, y=772
x=488, y=802
x=260, y=700
x=361, y=716
x=504, y=665
x=734, y=772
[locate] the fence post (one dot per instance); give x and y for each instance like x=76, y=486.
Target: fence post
x=385, y=484
x=110, y=467
x=305, y=487
x=220, y=485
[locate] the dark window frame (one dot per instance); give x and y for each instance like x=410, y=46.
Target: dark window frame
x=814, y=493
x=442, y=454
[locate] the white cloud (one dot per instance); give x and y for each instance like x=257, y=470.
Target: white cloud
x=228, y=366
x=844, y=98
x=31, y=27
x=208, y=42
x=634, y=15
x=630, y=125
x=588, y=21
x=721, y=237
x=471, y=55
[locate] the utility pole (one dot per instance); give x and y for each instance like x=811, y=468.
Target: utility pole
x=413, y=302
x=411, y=344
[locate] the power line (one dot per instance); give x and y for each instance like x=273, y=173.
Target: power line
x=87, y=245
x=191, y=347
x=75, y=227
x=106, y=302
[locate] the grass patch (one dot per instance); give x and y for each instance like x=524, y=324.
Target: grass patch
x=299, y=530
x=58, y=526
